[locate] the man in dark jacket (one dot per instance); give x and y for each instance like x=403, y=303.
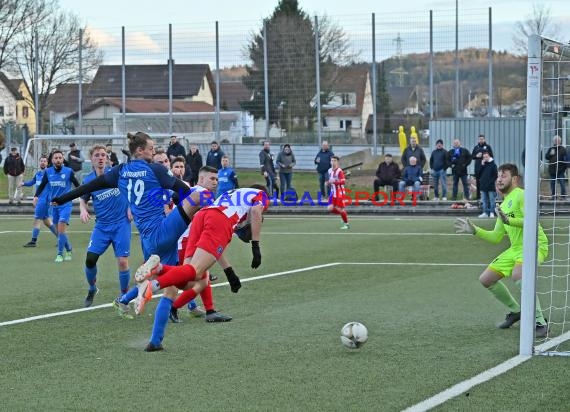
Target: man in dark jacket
x=112, y=155
x=387, y=174
x=488, y=177
x=267, y=167
x=414, y=150
x=214, y=158
x=75, y=160
x=556, y=158
x=460, y=158
x=323, y=162
x=175, y=149
x=438, y=163
x=477, y=155
x=194, y=163
x=14, y=168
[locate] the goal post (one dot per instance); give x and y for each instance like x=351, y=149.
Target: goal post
x=548, y=77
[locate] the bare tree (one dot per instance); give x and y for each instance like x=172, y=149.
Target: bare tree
x=539, y=22
x=15, y=17
x=57, y=54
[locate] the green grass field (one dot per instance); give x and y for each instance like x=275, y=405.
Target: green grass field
x=411, y=281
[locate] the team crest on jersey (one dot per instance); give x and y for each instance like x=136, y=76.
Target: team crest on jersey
x=510, y=204
x=62, y=175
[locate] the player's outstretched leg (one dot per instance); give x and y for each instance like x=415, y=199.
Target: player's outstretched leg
x=148, y=269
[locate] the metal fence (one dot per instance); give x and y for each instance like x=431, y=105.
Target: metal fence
x=313, y=78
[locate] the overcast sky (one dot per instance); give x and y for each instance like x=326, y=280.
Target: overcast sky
x=143, y=18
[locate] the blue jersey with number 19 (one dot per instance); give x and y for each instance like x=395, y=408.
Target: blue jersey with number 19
x=143, y=183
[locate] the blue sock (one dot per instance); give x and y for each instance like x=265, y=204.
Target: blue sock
x=160, y=320
x=53, y=229
x=124, y=277
x=91, y=275
x=35, y=234
x=67, y=244
x=130, y=295
x=192, y=304
x=61, y=240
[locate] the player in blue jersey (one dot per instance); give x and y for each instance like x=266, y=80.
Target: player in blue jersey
x=42, y=211
x=58, y=179
x=143, y=183
x=227, y=178
x=112, y=226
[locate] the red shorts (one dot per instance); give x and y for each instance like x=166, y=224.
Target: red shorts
x=211, y=231
x=338, y=202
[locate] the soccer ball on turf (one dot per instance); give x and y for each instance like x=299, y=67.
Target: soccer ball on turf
x=353, y=335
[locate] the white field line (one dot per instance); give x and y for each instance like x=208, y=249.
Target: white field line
x=483, y=377
x=425, y=405
x=108, y=305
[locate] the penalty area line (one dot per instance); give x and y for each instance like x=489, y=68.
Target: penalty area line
x=108, y=305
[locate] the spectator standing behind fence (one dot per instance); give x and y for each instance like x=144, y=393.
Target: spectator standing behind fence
x=175, y=149
x=14, y=168
x=267, y=167
x=286, y=162
x=113, y=159
x=412, y=175
x=460, y=158
x=488, y=177
x=214, y=158
x=193, y=163
x=387, y=174
x=438, y=163
x=416, y=151
x=477, y=155
x=75, y=160
x=556, y=158
x=323, y=162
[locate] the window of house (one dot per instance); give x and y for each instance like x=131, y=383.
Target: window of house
x=341, y=125
x=348, y=124
x=348, y=99
x=25, y=111
x=325, y=122
x=1, y=111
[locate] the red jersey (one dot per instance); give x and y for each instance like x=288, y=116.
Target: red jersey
x=237, y=203
x=336, y=181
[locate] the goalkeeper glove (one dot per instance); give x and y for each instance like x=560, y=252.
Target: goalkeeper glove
x=464, y=226
x=233, y=279
x=502, y=215
x=256, y=261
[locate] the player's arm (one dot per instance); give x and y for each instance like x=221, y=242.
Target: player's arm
x=341, y=178
x=30, y=182
x=42, y=185
x=74, y=180
x=491, y=236
x=105, y=181
x=83, y=210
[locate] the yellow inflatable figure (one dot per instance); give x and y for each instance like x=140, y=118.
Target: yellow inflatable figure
x=414, y=134
x=402, y=139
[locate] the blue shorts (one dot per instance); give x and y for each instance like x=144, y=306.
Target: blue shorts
x=61, y=214
x=43, y=210
x=117, y=234
x=163, y=241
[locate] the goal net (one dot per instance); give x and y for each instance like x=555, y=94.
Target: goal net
x=546, y=197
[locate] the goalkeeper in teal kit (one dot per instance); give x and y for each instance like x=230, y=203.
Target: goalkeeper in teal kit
x=510, y=219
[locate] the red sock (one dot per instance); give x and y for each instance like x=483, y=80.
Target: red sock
x=185, y=297
x=176, y=275
x=207, y=297
x=165, y=268
x=344, y=216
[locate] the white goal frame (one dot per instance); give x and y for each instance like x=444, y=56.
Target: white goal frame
x=536, y=47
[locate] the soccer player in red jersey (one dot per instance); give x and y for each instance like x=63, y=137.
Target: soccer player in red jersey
x=337, y=198
x=211, y=232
